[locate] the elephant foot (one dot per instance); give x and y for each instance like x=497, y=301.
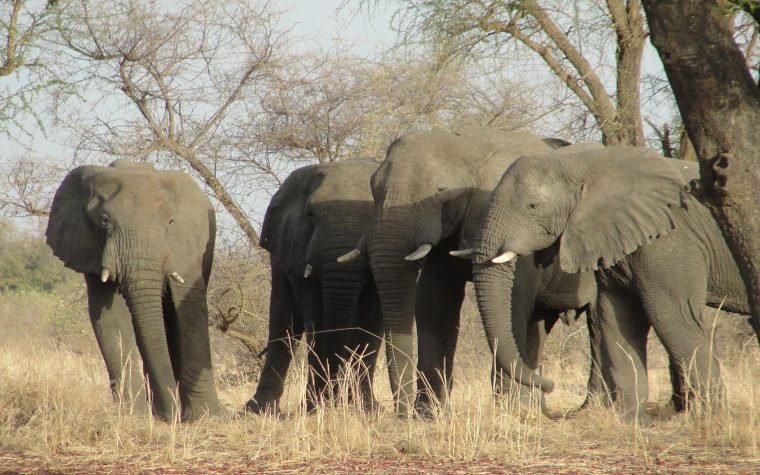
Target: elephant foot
x=371, y=406
x=425, y=412
x=312, y=405
x=195, y=412
x=429, y=411
x=263, y=408
x=636, y=416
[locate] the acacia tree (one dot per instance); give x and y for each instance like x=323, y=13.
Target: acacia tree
x=334, y=105
x=569, y=38
x=26, y=68
x=720, y=105
x=180, y=71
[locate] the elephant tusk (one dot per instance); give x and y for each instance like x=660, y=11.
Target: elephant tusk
x=506, y=257
x=177, y=277
x=463, y=253
x=105, y=275
x=421, y=252
x=350, y=256
x=307, y=271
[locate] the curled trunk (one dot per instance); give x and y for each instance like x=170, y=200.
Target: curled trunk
x=506, y=302
x=500, y=297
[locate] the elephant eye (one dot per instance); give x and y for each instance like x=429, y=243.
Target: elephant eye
x=105, y=221
x=532, y=205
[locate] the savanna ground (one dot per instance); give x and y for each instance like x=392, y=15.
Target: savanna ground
x=57, y=416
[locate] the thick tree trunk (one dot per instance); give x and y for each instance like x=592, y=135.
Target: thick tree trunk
x=720, y=106
x=628, y=22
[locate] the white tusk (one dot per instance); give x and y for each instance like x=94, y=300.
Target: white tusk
x=506, y=257
x=350, y=256
x=105, y=275
x=177, y=277
x=307, y=271
x=421, y=252
x=463, y=253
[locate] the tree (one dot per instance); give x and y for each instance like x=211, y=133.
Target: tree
x=569, y=37
x=27, y=190
x=182, y=69
x=720, y=105
x=25, y=65
x=333, y=105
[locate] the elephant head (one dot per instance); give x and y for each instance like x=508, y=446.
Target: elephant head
x=317, y=215
x=152, y=233
x=588, y=205
x=429, y=191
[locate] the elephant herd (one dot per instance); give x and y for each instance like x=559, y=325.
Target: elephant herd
x=362, y=251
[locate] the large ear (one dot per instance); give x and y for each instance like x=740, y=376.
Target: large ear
x=628, y=198
x=192, y=232
x=68, y=231
x=285, y=232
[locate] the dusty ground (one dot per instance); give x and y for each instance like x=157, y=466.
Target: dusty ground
x=589, y=463
x=56, y=415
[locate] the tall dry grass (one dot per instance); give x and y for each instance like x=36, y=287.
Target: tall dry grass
x=54, y=400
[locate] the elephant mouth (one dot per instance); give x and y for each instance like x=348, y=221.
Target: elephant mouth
x=106, y=275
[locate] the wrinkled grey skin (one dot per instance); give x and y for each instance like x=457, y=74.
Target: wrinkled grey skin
x=141, y=225
x=658, y=254
x=432, y=189
x=318, y=214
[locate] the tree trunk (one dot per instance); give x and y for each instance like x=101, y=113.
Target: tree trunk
x=720, y=106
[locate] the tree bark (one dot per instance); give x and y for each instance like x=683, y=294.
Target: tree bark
x=720, y=106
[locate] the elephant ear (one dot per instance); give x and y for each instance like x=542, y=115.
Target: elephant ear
x=69, y=233
x=286, y=231
x=193, y=229
x=629, y=197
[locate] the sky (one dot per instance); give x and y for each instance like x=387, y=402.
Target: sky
x=327, y=21
x=321, y=23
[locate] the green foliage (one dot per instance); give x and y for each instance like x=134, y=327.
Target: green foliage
x=28, y=264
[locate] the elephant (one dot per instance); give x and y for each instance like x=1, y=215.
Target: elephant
x=144, y=240
x=430, y=193
x=318, y=214
x=657, y=254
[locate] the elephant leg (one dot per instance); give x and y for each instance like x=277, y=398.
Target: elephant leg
x=440, y=292
x=683, y=328
x=366, y=346
x=624, y=328
x=186, y=317
x=320, y=375
x=115, y=335
x=595, y=384
x=285, y=329
x=679, y=397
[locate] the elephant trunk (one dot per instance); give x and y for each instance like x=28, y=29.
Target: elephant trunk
x=341, y=286
x=396, y=280
x=142, y=280
x=506, y=302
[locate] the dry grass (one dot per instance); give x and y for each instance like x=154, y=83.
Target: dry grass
x=56, y=414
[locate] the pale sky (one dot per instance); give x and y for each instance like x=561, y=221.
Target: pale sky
x=326, y=22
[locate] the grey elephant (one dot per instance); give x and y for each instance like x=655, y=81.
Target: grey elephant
x=657, y=253
x=318, y=214
x=144, y=240
x=430, y=194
